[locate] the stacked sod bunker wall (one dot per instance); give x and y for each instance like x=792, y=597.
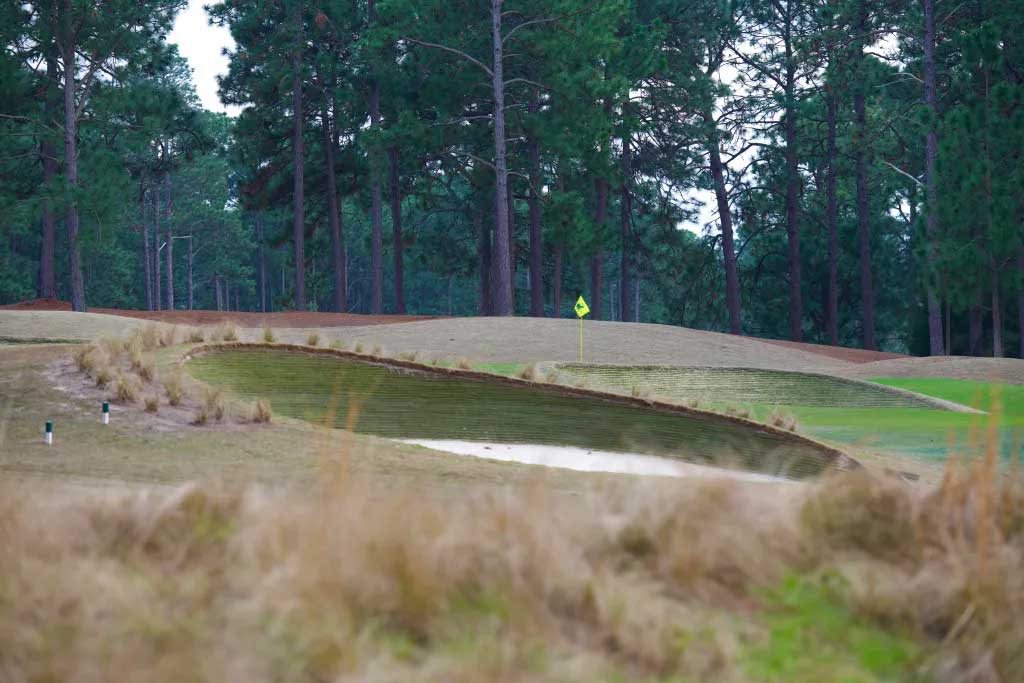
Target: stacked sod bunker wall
x=400, y=399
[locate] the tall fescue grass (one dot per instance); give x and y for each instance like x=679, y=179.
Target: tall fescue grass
x=856, y=578
x=174, y=388
x=126, y=389
x=268, y=334
x=213, y=407
x=313, y=339
x=224, y=332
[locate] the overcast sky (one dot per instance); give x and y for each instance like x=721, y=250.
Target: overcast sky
x=202, y=45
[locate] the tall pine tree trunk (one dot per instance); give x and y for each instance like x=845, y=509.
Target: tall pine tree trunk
x=263, y=262
x=71, y=159
x=556, y=290
x=483, y=254
x=170, y=242
x=157, y=282
x=536, y=244
x=597, y=260
x=334, y=218
x=626, y=231
x=502, y=293
x=1020, y=302
x=147, y=259
x=974, y=328
x=832, y=222
x=732, y=279
x=48, y=153
x=396, y=230
x=867, y=291
x=796, y=309
x=191, y=273
x=299, y=160
x=997, y=315
x=931, y=190
x=376, y=201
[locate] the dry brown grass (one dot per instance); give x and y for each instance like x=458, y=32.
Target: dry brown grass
x=150, y=337
x=313, y=339
x=224, y=332
x=196, y=335
x=783, y=419
x=212, y=409
x=169, y=336
x=103, y=375
x=152, y=403
x=173, y=387
x=635, y=582
x=146, y=370
x=90, y=357
x=268, y=334
x=127, y=388
x=530, y=373
x=463, y=364
x=260, y=412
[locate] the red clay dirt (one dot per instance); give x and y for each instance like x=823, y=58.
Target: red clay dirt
x=284, y=319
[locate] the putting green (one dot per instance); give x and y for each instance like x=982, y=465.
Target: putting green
x=397, y=403
x=743, y=385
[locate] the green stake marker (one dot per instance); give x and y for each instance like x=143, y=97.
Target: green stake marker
x=49, y=433
x=106, y=413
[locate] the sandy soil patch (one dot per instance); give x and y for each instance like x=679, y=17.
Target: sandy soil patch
x=1008, y=370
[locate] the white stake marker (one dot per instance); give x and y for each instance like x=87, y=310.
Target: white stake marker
x=49, y=433
x=106, y=413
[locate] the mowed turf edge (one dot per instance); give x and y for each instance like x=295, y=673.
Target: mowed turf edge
x=835, y=457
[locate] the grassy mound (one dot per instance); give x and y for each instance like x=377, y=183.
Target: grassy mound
x=744, y=385
x=376, y=400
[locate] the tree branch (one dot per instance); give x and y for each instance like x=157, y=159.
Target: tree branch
x=467, y=57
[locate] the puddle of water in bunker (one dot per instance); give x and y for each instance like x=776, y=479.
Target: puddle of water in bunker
x=585, y=459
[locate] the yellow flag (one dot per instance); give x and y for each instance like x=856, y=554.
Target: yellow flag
x=581, y=308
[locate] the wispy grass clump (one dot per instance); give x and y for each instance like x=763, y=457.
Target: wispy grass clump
x=103, y=374
x=169, y=337
x=338, y=345
x=268, y=334
x=90, y=357
x=152, y=403
x=313, y=339
x=213, y=407
x=410, y=356
x=858, y=578
x=150, y=337
x=783, y=419
x=126, y=389
x=196, y=335
x=173, y=388
x=260, y=412
x=463, y=364
x=224, y=332
x=146, y=370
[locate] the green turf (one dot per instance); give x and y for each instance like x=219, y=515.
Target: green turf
x=742, y=385
x=927, y=433
x=376, y=400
